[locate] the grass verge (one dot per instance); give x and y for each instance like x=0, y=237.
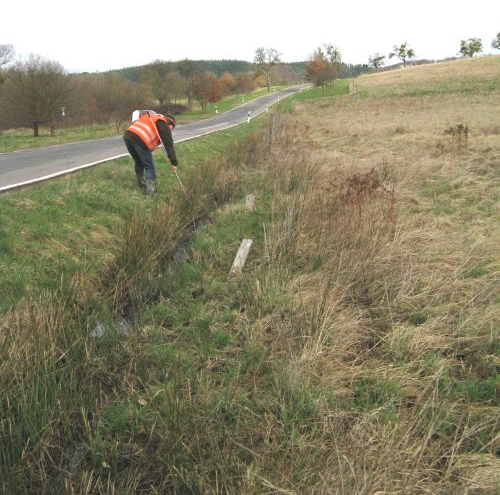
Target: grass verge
x=69, y=223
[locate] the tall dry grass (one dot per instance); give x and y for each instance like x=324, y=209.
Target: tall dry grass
x=432, y=326
x=388, y=314
x=361, y=347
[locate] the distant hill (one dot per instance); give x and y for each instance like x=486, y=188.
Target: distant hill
x=287, y=72
x=218, y=67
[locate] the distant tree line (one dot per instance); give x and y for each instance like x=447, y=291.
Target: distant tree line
x=37, y=93
x=218, y=67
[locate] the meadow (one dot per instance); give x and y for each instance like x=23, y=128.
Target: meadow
x=356, y=353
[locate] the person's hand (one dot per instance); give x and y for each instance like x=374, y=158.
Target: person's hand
x=174, y=169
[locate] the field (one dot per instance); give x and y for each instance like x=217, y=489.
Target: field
x=357, y=352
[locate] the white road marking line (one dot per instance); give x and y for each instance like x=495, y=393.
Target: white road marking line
x=67, y=171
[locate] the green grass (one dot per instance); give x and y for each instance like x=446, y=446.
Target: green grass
x=23, y=138
x=374, y=393
x=203, y=324
x=336, y=88
x=68, y=223
x=472, y=390
x=327, y=93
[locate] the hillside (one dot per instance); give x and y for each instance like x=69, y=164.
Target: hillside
x=470, y=76
x=287, y=72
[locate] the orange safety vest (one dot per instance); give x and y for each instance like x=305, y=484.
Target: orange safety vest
x=145, y=128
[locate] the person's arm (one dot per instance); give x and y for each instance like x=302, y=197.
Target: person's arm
x=168, y=142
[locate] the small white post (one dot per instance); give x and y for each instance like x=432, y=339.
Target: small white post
x=250, y=204
x=241, y=257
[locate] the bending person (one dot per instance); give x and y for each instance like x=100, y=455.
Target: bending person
x=141, y=138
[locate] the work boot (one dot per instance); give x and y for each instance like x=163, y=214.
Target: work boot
x=140, y=179
x=150, y=187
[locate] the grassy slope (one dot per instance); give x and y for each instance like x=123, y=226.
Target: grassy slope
x=72, y=221
x=459, y=76
x=358, y=352
x=21, y=139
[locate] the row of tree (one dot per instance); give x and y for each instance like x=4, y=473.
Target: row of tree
x=36, y=92
x=468, y=48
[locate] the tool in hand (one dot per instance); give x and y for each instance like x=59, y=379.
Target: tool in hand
x=176, y=174
x=179, y=179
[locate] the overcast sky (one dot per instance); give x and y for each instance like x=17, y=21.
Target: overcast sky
x=100, y=35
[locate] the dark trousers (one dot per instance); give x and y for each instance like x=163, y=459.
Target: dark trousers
x=143, y=159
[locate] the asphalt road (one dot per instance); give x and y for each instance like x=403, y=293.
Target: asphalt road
x=19, y=168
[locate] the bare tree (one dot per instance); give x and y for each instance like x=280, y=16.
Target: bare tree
x=83, y=107
x=228, y=83
x=187, y=69
x=6, y=54
x=35, y=91
x=116, y=98
x=334, y=58
x=177, y=85
x=245, y=82
x=266, y=59
x=155, y=76
x=203, y=87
